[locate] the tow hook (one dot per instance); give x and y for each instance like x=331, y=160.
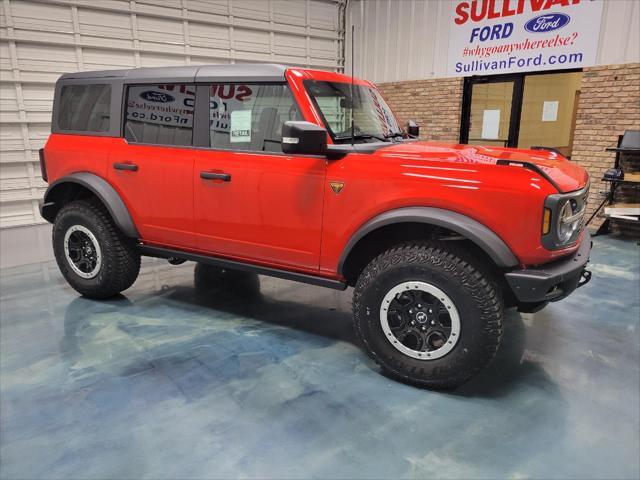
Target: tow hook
x=584, y=278
x=176, y=261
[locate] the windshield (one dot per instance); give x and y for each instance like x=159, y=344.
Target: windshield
x=373, y=119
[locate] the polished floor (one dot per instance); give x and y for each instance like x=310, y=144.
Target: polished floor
x=188, y=375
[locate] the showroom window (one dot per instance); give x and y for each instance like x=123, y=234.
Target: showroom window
x=522, y=110
x=85, y=108
x=249, y=117
x=160, y=114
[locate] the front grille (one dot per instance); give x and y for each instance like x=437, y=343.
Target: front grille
x=584, y=200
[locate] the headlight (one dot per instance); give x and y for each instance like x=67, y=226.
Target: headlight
x=563, y=217
x=568, y=222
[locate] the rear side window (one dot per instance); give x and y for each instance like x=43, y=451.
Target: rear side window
x=85, y=108
x=249, y=116
x=160, y=114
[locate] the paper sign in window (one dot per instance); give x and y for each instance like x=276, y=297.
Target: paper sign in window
x=240, y=131
x=490, y=124
x=550, y=111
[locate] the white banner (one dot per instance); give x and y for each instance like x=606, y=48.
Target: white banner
x=488, y=37
x=162, y=104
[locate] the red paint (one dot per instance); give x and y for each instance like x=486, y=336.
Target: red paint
x=280, y=211
x=462, y=178
x=270, y=211
x=159, y=195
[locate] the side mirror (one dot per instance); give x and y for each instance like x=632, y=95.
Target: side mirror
x=413, y=129
x=303, y=137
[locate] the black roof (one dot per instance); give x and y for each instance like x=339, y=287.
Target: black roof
x=239, y=72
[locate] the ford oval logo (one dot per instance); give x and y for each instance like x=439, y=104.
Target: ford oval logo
x=160, y=97
x=547, y=23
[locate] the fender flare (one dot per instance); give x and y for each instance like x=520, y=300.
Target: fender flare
x=469, y=228
x=101, y=189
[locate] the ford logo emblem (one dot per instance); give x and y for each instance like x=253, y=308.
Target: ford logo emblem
x=160, y=97
x=547, y=23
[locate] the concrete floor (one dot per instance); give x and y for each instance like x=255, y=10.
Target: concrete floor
x=181, y=377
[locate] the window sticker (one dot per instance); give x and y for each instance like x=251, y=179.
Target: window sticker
x=240, y=126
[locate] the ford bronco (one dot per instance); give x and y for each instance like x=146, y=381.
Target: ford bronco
x=307, y=175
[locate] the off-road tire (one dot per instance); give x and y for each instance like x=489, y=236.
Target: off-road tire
x=120, y=261
x=467, y=282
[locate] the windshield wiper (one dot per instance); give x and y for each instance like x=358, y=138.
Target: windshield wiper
x=361, y=136
x=395, y=135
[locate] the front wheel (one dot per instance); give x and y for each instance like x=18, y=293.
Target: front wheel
x=95, y=258
x=428, y=314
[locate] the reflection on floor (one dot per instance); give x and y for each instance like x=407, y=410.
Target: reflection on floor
x=197, y=376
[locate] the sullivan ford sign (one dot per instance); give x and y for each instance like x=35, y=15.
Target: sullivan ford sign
x=488, y=37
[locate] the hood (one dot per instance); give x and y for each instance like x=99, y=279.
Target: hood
x=564, y=174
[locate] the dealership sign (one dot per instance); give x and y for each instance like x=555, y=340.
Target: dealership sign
x=488, y=37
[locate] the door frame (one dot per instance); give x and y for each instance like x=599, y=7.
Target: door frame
x=516, y=100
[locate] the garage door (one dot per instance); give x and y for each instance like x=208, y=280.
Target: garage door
x=41, y=40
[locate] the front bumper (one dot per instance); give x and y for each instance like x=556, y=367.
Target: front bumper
x=553, y=281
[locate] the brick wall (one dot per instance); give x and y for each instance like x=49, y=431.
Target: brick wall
x=434, y=104
x=609, y=104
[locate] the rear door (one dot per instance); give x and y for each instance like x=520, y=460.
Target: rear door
x=152, y=166
x=251, y=201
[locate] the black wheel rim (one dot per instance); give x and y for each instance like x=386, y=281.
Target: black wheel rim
x=82, y=251
x=420, y=320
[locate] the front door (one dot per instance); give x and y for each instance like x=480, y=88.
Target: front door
x=251, y=201
x=491, y=111
x=152, y=166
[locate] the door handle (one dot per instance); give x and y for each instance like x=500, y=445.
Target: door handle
x=225, y=177
x=126, y=166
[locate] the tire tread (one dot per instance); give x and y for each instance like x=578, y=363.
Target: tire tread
x=467, y=270
x=121, y=260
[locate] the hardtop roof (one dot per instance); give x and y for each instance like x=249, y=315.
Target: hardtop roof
x=242, y=72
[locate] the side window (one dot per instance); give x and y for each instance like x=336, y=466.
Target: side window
x=160, y=114
x=337, y=116
x=249, y=116
x=85, y=108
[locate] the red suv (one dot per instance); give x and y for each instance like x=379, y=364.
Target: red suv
x=307, y=175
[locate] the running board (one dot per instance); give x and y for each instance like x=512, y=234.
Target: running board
x=160, y=252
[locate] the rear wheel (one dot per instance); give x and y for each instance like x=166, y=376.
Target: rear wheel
x=95, y=258
x=428, y=314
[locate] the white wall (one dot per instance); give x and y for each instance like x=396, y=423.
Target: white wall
x=407, y=39
x=40, y=40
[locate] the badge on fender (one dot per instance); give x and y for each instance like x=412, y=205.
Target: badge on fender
x=336, y=187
